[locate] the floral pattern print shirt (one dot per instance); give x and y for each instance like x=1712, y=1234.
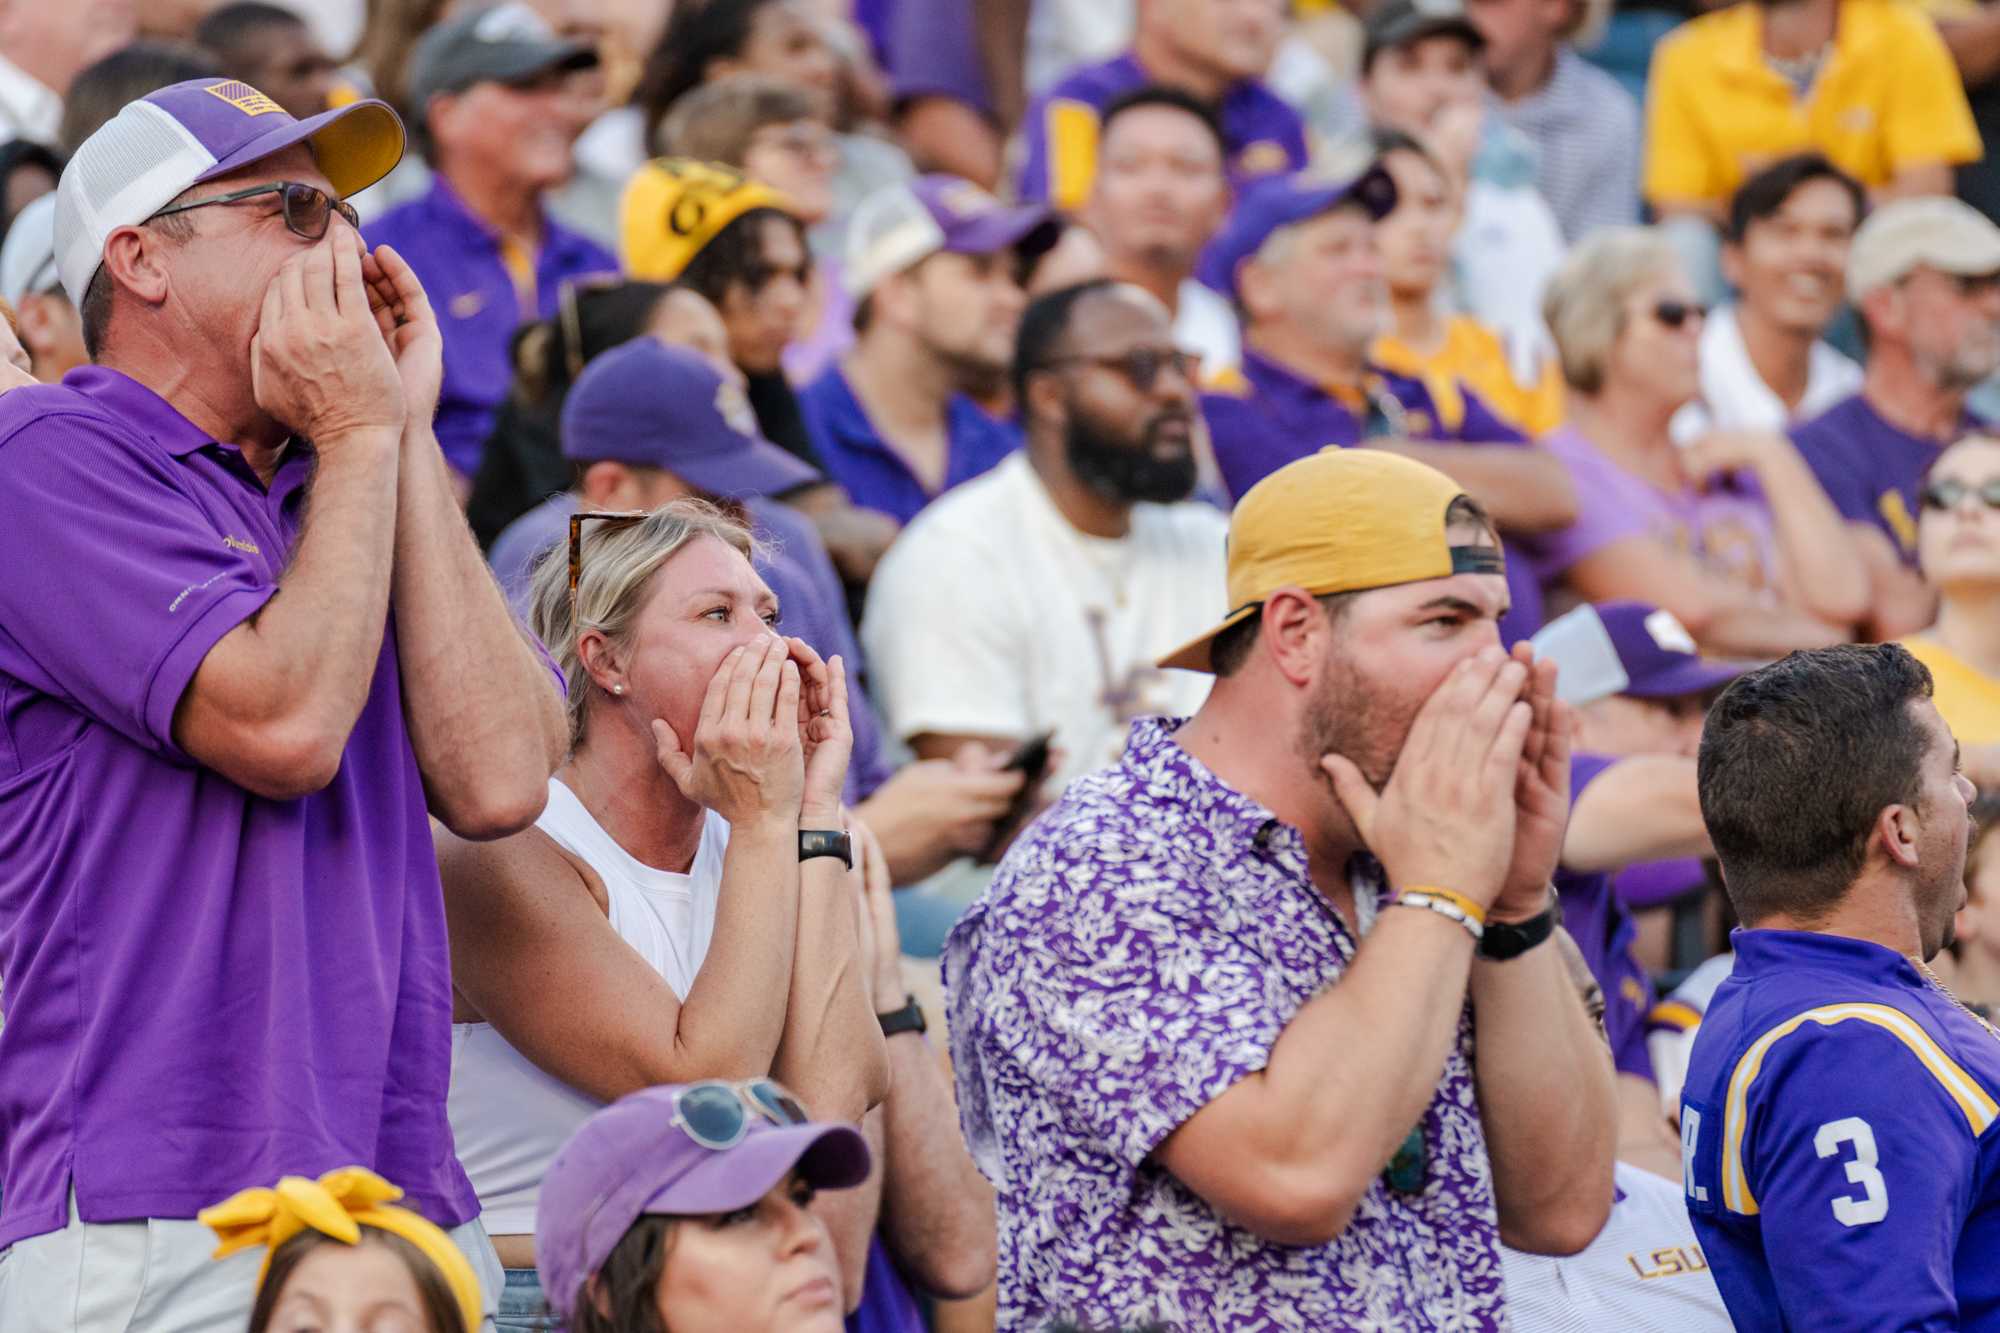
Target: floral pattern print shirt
x=1139, y=951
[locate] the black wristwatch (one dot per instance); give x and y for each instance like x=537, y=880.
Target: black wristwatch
x=910, y=1018
x=1510, y=939
x=826, y=842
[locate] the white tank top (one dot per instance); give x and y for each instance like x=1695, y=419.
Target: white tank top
x=507, y=1116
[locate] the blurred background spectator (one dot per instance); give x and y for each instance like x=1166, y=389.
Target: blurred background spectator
x=934, y=268
x=1730, y=533
x=1764, y=363
x=1159, y=195
x=28, y=170
x=133, y=70
x=499, y=104
x=42, y=47
x=1583, y=125
x=1958, y=544
x=273, y=50
x=1215, y=50
x=1424, y=339
x=50, y=327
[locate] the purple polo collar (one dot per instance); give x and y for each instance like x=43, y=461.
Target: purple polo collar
x=130, y=401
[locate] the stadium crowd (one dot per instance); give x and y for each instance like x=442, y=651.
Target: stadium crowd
x=999, y=665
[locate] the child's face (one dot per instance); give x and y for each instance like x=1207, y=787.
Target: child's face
x=350, y=1289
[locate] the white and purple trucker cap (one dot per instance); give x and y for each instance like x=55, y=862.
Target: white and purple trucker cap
x=190, y=132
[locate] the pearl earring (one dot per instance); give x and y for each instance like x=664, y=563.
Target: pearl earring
x=618, y=689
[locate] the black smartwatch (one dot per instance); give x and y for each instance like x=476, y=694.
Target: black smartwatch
x=910, y=1018
x=827, y=842
x=1510, y=939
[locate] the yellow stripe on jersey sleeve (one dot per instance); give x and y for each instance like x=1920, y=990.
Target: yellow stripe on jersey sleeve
x=1072, y=130
x=1974, y=1101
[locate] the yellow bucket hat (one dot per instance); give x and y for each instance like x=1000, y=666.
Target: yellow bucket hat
x=339, y=1204
x=1340, y=520
x=674, y=206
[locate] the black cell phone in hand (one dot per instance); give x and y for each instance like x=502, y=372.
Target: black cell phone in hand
x=1032, y=761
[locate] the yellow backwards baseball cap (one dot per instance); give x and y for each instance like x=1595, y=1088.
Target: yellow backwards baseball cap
x=676, y=205
x=1340, y=520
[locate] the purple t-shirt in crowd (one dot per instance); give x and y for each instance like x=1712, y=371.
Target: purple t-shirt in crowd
x=1605, y=933
x=1872, y=470
x=205, y=989
x=461, y=262
x=1140, y=950
x=1262, y=133
x=1727, y=528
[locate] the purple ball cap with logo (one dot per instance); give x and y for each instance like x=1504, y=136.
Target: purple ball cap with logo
x=1284, y=201
x=652, y=405
x=1660, y=658
x=187, y=133
x=630, y=1160
x=899, y=226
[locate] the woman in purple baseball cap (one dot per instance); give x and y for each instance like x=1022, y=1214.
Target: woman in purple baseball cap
x=686, y=1208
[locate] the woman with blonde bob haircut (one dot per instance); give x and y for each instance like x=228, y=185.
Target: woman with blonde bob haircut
x=680, y=912
x=1730, y=532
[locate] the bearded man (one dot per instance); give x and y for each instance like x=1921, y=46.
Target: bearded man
x=1036, y=598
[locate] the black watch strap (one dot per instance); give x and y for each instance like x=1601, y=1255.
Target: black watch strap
x=910, y=1018
x=1511, y=939
x=826, y=842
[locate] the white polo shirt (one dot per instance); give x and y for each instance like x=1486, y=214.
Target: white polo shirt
x=1735, y=397
x=1643, y=1274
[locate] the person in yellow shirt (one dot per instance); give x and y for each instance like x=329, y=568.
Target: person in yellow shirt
x=1426, y=340
x=1869, y=83
x=1958, y=548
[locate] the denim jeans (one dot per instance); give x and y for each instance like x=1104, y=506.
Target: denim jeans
x=522, y=1309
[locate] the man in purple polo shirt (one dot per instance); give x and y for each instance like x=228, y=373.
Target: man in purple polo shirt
x=934, y=269
x=221, y=926
x=1299, y=258
x=502, y=102
x=1925, y=274
x=1218, y=50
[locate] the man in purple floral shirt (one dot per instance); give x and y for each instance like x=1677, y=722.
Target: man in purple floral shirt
x=1218, y=1081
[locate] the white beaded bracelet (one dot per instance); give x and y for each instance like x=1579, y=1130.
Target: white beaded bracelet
x=1444, y=908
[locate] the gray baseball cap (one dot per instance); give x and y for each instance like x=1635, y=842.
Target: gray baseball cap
x=501, y=44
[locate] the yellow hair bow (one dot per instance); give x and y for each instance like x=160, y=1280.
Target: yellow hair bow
x=339, y=1204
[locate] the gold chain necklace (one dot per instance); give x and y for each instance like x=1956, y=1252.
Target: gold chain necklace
x=1945, y=991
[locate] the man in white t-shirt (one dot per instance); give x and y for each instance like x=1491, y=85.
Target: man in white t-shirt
x=1037, y=598
x=1763, y=364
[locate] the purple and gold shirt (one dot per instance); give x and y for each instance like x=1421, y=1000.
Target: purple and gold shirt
x=1139, y=951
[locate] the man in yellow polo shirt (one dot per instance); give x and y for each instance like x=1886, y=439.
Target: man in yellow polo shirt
x=1869, y=83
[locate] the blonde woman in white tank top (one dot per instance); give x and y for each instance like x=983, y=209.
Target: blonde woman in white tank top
x=658, y=925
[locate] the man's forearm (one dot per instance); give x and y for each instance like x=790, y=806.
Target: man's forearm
x=1525, y=490
x=1547, y=1102
x=937, y=1210
x=1826, y=575
x=486, y=722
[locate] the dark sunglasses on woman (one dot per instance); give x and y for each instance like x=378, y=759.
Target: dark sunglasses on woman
x=1674, y=314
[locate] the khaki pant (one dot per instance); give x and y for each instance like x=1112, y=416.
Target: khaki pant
x=155, y=1276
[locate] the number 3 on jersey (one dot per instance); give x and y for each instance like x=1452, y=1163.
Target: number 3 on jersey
x=1873, y=1205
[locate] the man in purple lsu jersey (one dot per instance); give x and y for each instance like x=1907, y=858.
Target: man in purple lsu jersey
x=1840, y=1162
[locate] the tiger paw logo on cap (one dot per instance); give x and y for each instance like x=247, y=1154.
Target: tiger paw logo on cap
x=243, y=97
x=1262, y=158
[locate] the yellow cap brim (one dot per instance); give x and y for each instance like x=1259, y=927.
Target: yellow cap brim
x=1194, y=655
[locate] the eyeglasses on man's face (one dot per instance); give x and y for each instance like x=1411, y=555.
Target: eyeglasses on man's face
x=308, y=209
